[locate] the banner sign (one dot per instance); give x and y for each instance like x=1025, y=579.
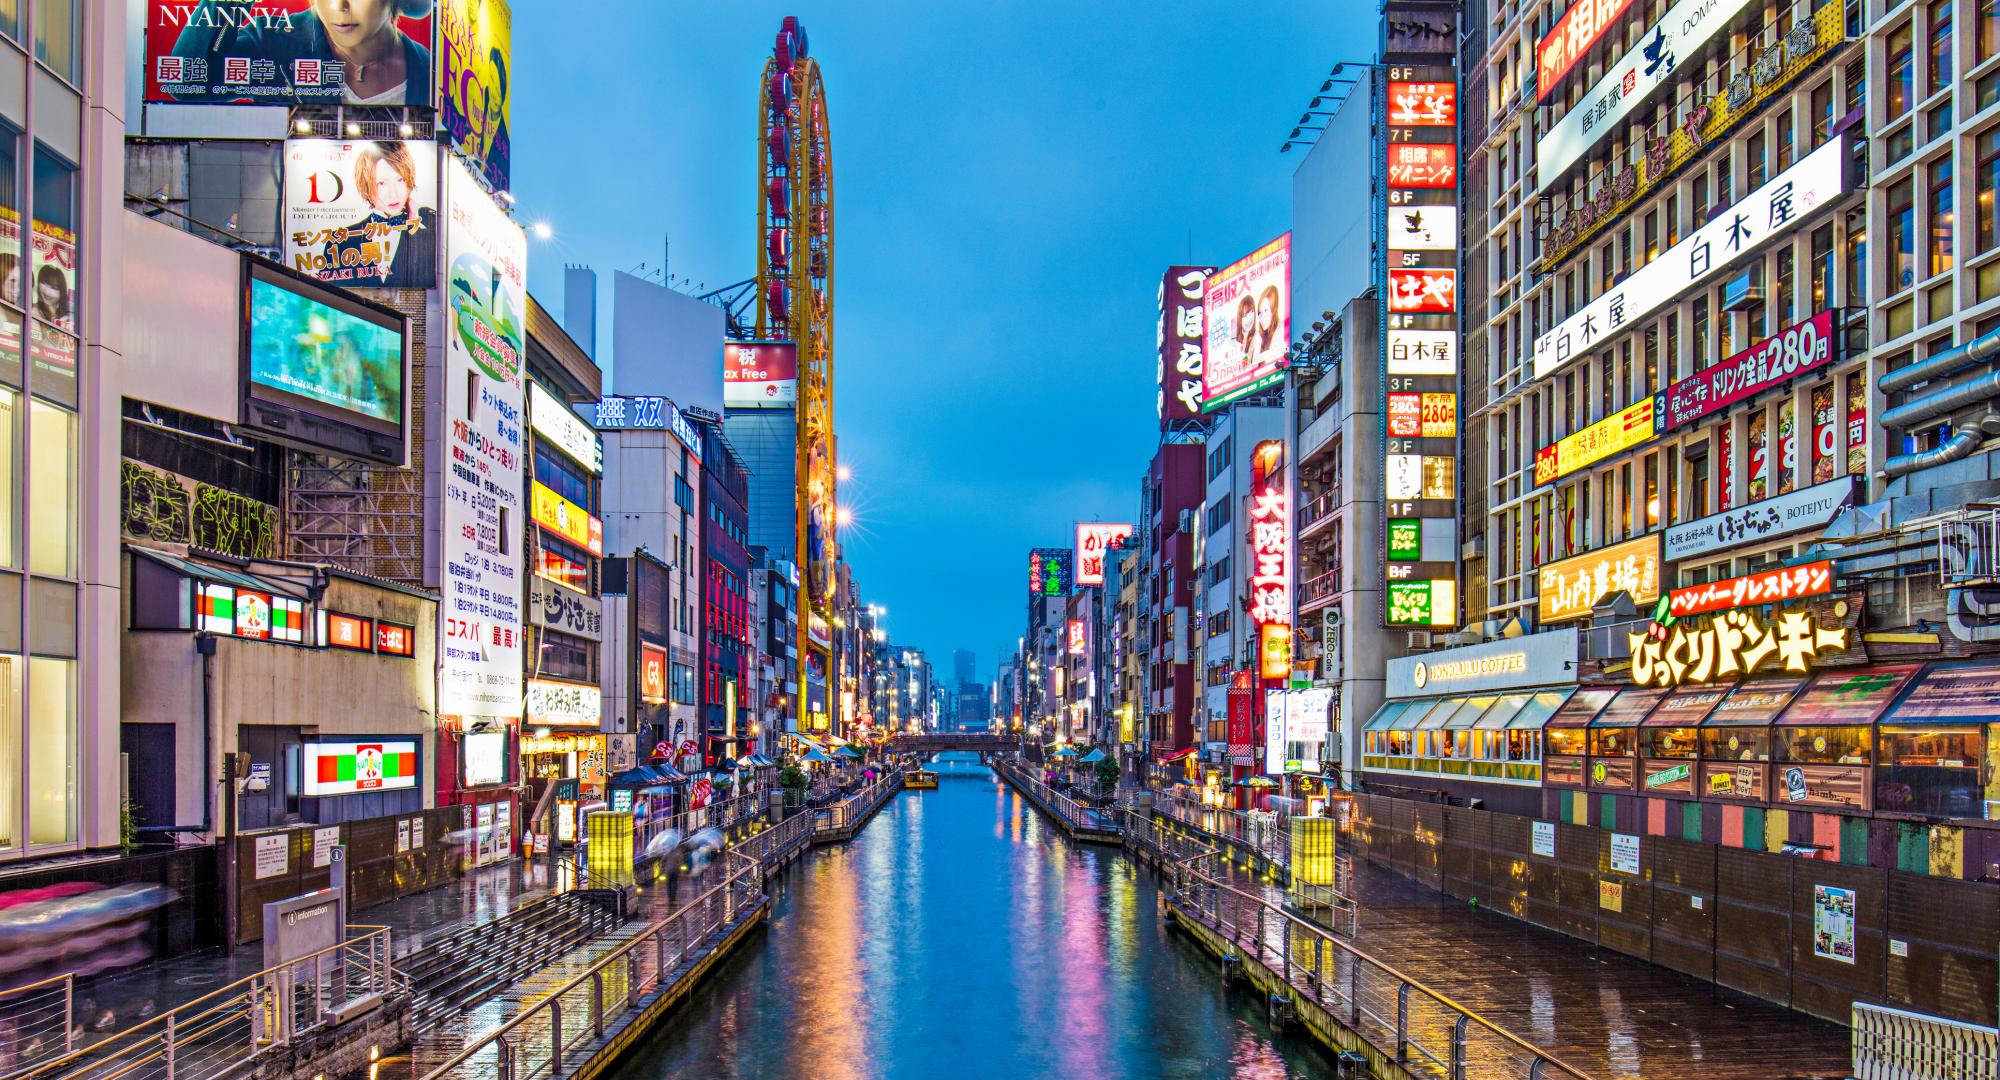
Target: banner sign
x=1419, y=314
x=1769, y=519
x=1570, y=588
x=1582, y=26
x=1770, y=363
x=566, y=610
x=1180, y=334
x=1769, y=586
x=362, y=214
x=564, y=429
x=759, y=373
x=1730, y=235
x=475, y=71
x=1092, y=542
x=570, y=704
x=480, y=616
x=1247, y=324
x=282, y=52
x=1621, y=431
x=1628, y=83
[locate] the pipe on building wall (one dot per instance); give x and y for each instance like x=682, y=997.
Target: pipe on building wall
x=1948, y=362
x=1959, y=446
x=1952, y=398
x=1975, y=614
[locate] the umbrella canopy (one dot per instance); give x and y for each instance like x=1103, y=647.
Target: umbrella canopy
x=1091, y=758
x=849, y=752
x=815, y=756
x=1064, y=752
x=1257, y=782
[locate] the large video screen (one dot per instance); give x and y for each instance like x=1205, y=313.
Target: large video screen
x=314, y=350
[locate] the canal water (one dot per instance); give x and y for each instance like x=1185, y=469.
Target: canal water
x=961, y=936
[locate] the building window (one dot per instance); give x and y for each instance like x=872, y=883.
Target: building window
x=51, y=744
x=1781, y=303
x=56, y=33
x=1856, y=285
x=52, y=279
x=1989, y=29
x=1902, y=64
x=1939, y=20
x=51, y=490
x=1902, y=247
x=1940, y=216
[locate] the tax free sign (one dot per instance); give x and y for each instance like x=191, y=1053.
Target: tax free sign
x=1731, y=234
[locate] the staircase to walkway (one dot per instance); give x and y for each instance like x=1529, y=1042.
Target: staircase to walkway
x=476, y=962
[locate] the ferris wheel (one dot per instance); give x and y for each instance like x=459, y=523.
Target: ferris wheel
x=795, y=283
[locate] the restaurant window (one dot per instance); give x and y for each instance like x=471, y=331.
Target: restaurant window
x=1901, y=67
x=555, y=472
x=1902, y=247
x=1931, y=769
x=1613, y=741
x=1736, y=743
x=1670, y=742
x=1523, y=745
x=1574, y=742
x=563, y=656
x=1824, y=745
x=1940, y=217
x=1398, y=743
x=1939, y=20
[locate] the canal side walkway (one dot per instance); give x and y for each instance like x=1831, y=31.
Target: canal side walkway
x=1608, y=1014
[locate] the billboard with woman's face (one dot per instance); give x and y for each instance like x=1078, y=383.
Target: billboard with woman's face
x=288, y=52
x=362, y=214
x=1248, y=311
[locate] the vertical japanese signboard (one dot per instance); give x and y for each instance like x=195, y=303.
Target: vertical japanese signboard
x=1180, y=344
x=1270, y=541
x=1094, y=541
x=486, y=256
x=1420, y=314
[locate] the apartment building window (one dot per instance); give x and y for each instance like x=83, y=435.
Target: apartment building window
x=1781, y=297
x=1940, y=216
x=1855, y=287
x=1902, y=247
x=1938, y=18
x=1901, y=67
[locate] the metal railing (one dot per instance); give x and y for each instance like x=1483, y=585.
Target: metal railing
x=1073, y=813
x=219, y=1033
x=847, y=812
x=777, y=843
x=37, y=1021
x=571, y=1019
x=1403, y=1017
x=1890, y=1044
x=1270, y=840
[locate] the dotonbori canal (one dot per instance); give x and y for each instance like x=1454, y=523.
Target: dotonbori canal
x=961, y=935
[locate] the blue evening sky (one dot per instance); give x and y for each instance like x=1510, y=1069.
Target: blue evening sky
x=1010, y=180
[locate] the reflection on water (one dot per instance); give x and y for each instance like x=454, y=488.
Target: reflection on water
x=960, y=936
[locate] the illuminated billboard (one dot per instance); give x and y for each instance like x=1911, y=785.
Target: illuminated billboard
x=349, y=768
x=1247, y=315
x=322, y=369
x=1569, y=41
x=1419, y=313
x=361, y=214
x=565, y=518
x=1750, y=590
x=1621, y=431
x=475, y=41
x=760, y=373
x=1049, y=572
x=1269, y=532
x=1180, y=337
x=283, y=52
x=1730, y=235
x=1093, y=542
x=1571, y=587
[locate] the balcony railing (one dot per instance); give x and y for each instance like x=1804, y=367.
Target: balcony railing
x=1319, y=508
x=1321, y=587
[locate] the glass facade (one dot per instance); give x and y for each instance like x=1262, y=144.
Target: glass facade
x=43, y=307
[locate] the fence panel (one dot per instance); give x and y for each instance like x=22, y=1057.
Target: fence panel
x=1753, y=922
x=1951, y=933
x=1683, y=905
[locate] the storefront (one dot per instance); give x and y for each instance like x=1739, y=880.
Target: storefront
x=1902, y=740
x=1467, y=723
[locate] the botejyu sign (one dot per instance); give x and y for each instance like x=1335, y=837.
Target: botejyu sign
x=1765, y=519
x=1730, y=236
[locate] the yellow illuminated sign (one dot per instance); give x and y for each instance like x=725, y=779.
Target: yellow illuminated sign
x=1614, y=434
x=566, y=519
x=1731, y=644
x=1570, y=588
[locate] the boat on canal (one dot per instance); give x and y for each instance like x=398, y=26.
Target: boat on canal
x=920, y=780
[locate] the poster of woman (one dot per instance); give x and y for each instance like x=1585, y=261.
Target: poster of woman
x=362, y=214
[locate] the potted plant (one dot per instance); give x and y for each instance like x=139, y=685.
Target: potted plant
x=793, y=780
x=1107, y=774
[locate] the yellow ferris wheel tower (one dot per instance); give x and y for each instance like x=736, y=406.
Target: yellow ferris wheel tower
x=795, y=302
